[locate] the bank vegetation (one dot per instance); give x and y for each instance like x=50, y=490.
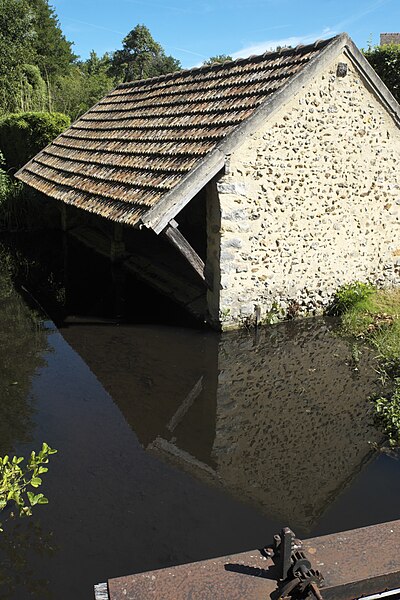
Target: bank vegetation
x=371, y=316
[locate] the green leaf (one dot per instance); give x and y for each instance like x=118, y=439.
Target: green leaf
x=36, y=481
x=31, y=498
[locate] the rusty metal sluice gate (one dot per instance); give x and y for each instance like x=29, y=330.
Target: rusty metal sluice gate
x=358, y=563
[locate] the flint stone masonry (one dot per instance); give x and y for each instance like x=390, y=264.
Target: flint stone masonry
x=389, y=38
x=309, y=202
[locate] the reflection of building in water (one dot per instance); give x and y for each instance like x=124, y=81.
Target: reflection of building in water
x=280, y=421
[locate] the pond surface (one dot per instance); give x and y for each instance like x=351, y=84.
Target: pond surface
x=174, y=443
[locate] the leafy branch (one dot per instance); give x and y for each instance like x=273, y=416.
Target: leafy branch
x=18, y=482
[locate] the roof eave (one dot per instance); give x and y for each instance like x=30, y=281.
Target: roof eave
x=174, y=201
x=373, y=81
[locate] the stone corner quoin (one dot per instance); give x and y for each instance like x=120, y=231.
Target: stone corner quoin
x=309, y=202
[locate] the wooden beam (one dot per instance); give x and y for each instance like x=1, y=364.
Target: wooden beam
x=175, y=237
x=186, y=404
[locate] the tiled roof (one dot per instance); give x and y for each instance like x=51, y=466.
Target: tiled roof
x=141, y=140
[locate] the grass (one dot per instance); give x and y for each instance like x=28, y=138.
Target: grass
x=375, y=319
x=372, y=316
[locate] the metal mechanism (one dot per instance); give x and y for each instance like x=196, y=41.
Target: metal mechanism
x=357, y=563
x=295, y=575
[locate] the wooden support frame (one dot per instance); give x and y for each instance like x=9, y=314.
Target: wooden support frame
x=175, y=237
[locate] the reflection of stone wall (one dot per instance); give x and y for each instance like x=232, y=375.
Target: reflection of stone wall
x=309, y=202
x=292, y=424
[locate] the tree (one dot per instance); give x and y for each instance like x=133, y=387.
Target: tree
x=96, y=65
x=17, y=37
x=141, y=57
x=30, y=39
x=386, y=62
x=83, y=85
x=53, y=52
x=219, y=58
x=33, y=90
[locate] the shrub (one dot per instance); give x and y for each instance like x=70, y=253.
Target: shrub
x=17, y=209
x=22, y=135
x=347, y=296
x=17, y=482
x=387, y=413
x=386, y=62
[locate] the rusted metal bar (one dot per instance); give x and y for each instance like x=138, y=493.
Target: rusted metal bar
x=355, y=563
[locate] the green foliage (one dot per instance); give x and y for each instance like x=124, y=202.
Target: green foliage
x=386, y=62
x=274, y=314
x=376, y=320
x=17, y=35
x=33, y=51
x=348, y=296
x=83, y=86
x=95, y=64
x=141, y=57
x=32, y=90
x=11, y=202
x=24, y=135
x=53, y=53
x=39, y=71
x=18, y=483
x=219, y=58
x=387, y=413
x=372, y=316
x=18, y=206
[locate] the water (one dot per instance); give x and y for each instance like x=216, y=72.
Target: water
x=174, y=443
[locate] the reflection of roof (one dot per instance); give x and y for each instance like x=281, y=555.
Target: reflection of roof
x=143, y=139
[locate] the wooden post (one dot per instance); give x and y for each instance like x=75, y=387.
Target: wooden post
x=176, y=238
x=117, y=249
x=64, y=218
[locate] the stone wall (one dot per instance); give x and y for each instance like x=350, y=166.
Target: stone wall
x=389, y=38
x=309, y=202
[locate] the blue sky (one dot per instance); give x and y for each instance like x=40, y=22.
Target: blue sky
x=194, y=31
